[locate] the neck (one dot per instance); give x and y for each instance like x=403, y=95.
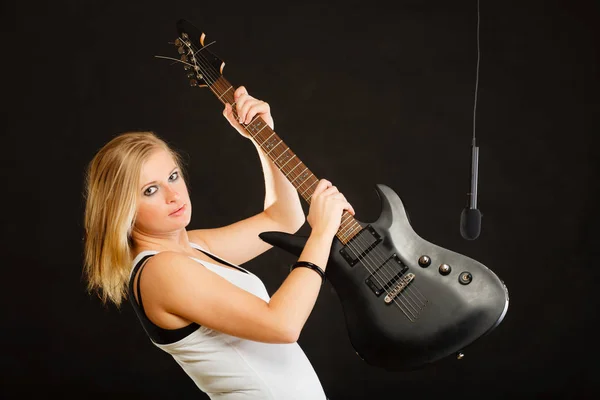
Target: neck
x=172, y=241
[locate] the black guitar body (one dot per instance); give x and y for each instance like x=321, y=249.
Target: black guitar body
x=407, y=302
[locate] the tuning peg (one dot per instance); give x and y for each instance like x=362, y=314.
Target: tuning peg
x=183, y=58
x=178, y=42
x=180, y=50
x=191, y=75
x=193, y=82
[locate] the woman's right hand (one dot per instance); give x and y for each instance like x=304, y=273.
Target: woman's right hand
x=326, y=208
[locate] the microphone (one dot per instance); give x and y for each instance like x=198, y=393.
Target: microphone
x=470, y=218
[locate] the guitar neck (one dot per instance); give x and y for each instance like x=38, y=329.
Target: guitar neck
x=299, y=175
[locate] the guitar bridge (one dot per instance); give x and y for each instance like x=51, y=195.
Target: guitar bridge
x=399, y=288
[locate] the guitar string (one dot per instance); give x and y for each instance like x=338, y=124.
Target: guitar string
x=415, y=296
x=405, y=291
x=214, y=88
x=390, y=276
x=409, y=288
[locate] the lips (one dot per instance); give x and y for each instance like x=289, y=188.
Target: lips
x=179, y=210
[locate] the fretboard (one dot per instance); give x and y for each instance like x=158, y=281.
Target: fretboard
x=285, y=159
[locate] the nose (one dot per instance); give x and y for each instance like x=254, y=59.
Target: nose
x=172, y=195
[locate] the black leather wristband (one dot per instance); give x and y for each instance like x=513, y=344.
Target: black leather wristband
x=312, y=266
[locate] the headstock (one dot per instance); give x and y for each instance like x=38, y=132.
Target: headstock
x=203, y=67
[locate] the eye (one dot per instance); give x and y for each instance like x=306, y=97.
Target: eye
x=150, y=191
x=174, y=176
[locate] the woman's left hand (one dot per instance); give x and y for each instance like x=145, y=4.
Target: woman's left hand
x=247, y=108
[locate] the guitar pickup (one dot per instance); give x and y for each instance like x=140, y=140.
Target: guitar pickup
x=360, y=245
x=386, y=275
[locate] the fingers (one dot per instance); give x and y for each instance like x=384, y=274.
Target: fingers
x=247, y=107
x=331, y=190
x=321, y=186
x=239, y=98
x=250, y=108
x=239, y=91
x=341, y=199
x=326, y=189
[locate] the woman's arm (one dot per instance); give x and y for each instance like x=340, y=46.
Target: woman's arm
x=239, y=242
x=176, y=290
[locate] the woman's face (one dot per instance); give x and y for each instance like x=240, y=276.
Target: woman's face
x=162, y=193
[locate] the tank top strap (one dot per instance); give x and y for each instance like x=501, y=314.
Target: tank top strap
x=217, y=258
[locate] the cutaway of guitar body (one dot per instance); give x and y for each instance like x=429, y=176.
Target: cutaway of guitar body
x=436, y=314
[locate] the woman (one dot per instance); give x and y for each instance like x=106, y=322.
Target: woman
x=214, y=317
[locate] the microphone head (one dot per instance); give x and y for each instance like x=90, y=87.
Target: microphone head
x=470, y=223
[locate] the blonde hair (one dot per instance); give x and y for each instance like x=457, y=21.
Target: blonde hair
x=111, y=182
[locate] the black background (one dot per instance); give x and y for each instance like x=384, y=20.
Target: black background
x=363, y=93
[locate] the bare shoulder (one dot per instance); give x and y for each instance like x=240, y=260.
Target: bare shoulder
x=169, y=266
x=177, y=290
x=161, y=271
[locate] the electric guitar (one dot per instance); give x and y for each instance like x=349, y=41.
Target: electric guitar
x=407, y=302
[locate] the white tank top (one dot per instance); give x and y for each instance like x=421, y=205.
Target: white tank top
x=226, y=367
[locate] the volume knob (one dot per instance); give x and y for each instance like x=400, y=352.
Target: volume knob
x=424, y=261
x=445, y=269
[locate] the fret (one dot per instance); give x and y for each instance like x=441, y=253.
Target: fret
x=290, y=171
x=342, y=228
x=270, y=142
x=270, y=136
x=256, y=126
x=303, y=173
x=345, y=230
x=299, y=186
x=345, y=238
x=277, y=144
x=342, y=236
x=284, y=152
x=310, y=187
x=357, y=228
x=228, y=89
x=306, y=176
x=283, y=161
x=291, y=158
x=353, y=232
